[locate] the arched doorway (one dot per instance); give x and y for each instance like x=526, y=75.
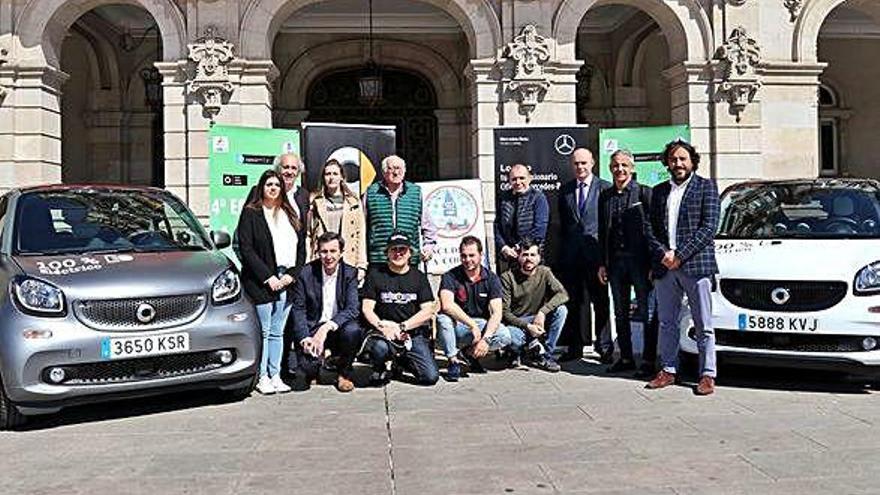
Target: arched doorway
x=408, y=102
x=849, y=107
x=621, y=84
x=111, y=105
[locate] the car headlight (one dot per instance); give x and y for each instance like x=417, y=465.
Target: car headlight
x=867, y=280
x=36, y=296
x=226, y=288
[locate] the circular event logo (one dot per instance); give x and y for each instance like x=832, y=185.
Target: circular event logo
x=453, y=210
x=564, y=144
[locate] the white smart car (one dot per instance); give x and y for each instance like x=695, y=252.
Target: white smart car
x=799, y=281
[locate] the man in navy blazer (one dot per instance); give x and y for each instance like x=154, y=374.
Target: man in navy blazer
x=325, y=312
x=684, y=218
x=579, y=257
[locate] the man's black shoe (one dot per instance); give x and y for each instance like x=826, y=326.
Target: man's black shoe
x=453, y=371
x=474, y=365
x=606, y=357
x=547, y=364
x=645, y=371
x=622, y=365
x=380, y=378
x=572, y=354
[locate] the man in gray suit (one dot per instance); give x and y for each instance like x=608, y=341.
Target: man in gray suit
x=580, y=256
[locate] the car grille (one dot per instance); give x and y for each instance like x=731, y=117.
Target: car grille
x=804, y=296
x=122, y=314
x=139, y=369
x=789, y=341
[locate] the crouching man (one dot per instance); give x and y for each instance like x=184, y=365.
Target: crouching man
x=469, y=324
x=325, y=312
x=534, y=306
x=398, y=304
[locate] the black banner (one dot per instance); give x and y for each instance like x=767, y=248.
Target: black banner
x=547, y=153
x=359, y=148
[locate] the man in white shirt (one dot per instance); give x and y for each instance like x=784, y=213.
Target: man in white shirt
x=325, y=313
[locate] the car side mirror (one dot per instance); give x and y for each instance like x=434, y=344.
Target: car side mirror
x=221, y=239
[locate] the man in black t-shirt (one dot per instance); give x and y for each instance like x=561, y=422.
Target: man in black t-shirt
x=471, y=308
x=398, y=304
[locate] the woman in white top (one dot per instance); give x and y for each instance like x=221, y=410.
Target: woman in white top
x=334, y=208
x=267, y=231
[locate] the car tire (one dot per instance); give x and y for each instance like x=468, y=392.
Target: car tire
x=241, y=393
x=10, y=417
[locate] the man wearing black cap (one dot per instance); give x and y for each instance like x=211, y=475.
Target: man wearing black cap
x=398, y=304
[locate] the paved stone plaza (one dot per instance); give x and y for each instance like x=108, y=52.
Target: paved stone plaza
x=520, y=431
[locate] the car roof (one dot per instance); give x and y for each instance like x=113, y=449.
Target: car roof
x=91, y=187
x=818, y=181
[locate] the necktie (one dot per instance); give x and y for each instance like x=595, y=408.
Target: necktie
x=582, y=197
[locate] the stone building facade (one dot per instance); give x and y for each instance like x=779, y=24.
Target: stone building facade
x=126, y=90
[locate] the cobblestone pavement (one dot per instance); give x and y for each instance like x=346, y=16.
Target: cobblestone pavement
x=518, y=431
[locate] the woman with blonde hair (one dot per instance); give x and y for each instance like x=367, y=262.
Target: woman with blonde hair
x=335, y=208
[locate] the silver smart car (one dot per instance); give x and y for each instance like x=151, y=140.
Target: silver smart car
x=115, y=292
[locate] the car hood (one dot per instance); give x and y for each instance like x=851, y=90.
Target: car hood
x=795, y=259
x=127, y=275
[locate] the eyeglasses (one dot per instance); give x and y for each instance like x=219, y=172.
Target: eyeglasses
x=273, y=184
x=398, y=249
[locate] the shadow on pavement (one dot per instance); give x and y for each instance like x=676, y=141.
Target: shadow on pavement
x=128, y=408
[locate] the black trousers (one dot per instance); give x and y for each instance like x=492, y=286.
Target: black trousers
x=586, y=296
x=343, y=342
x=625, y=274
x=419, y=360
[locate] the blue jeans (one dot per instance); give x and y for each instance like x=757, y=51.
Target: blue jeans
x=419, y=360
x=624, y=274
x=553, y=324
x=670, y=289
x=273, y=317
x=454, y=335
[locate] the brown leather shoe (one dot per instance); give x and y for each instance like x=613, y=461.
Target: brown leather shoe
x=663, y=379
x=706, y=386
x=344, y=384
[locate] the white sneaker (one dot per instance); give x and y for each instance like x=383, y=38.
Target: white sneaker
x=279, y=385
x=264, y=386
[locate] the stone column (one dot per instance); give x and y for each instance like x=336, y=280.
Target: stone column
x=176, y=127
x=452, y=162
x=486, y=113
x=790, y=136
x=30, y=124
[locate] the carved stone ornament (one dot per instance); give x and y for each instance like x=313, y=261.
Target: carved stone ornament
x=794, y=8
x=738, y=60
x=4, y=58
x=211, y=84
x=529, y=52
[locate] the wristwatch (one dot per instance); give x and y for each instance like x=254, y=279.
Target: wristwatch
x=402, y=326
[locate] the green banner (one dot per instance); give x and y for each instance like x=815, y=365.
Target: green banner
x=646, y=144
x=236, y=158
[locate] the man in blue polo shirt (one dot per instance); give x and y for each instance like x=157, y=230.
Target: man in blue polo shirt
x=470, y=312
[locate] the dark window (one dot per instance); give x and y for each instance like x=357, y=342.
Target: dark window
x=408, y=103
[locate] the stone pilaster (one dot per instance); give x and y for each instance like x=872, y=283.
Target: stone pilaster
x=30, y=124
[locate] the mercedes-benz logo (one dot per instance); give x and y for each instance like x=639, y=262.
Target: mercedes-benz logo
x=780, y=295
x=145, y=312
x=564, y=144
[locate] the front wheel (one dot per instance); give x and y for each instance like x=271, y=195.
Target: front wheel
x=10, y=417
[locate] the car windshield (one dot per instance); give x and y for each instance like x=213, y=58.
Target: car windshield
x=788, y=210
x=99, y=220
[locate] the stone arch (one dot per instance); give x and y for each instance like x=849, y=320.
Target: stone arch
x=311, y=65
x=685, y=24
x=102, y=61
x=627, y=56
x=44, y=23
x=806, y=30
x=263, y=18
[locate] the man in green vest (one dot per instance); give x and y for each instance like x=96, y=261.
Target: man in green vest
x=394, y=204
